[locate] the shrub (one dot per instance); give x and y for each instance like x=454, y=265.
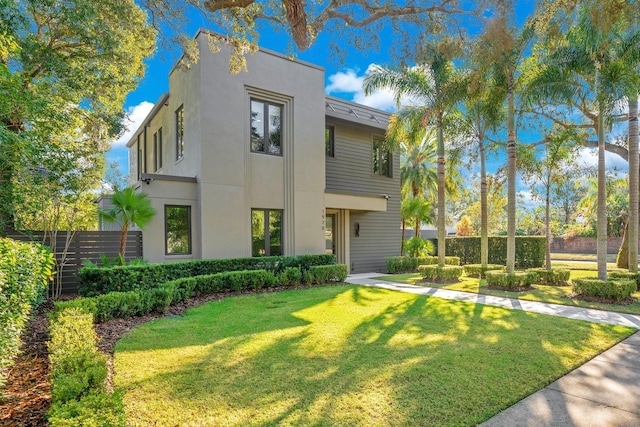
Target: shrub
x=401, y=264
x=553, y=277
x=25, y=271
x=513, y=281
x=613, y=289
x=530, y=250
x=430, y=260
x=95, y=281
x=325, y=273
x=477, y=270
x=78, y=374
x=290, y=276
x=417, y=247
x=434, y=273
x=625, y=275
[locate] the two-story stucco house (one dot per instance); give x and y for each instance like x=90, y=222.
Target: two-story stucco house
x=263, y=163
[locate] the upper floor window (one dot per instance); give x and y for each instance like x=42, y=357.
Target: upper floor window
x=159, y=152
x=180, y=133
x=329, y=140
x=381, y=158
x=266, y=127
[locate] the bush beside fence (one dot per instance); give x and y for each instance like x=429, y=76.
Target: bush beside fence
x=530, y=250
x=25, y=272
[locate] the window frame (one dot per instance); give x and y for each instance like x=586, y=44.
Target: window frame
x=267, y=230
x=189, y=231
x=179, y=122
x=159, y=158
x=265, y=111
x=377, y=159
x=330, y=145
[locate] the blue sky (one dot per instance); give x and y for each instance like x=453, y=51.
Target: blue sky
x=342, y=80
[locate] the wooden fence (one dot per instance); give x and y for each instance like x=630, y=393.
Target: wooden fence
x=85, y=245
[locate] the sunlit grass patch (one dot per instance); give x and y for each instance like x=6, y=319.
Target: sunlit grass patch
x=345, y=355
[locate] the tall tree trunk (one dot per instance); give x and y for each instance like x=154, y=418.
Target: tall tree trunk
x=622, y=260
x=602, y=201
x=632, y=228
x=123, y=240
x=442, y=231
x=511, y=179
x=484, y=209
x=547, y=227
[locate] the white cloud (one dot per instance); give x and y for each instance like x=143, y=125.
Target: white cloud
x=589, y=156
x=135, y=117
x=350, y=82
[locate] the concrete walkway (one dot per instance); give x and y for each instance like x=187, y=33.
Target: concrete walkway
x=605, y=391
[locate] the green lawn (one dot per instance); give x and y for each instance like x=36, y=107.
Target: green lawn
x=550, y=294
x=345, y=355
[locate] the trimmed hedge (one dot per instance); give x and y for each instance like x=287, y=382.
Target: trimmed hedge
x=401, y=264
x=530, y=250
x=519, y=279
x=613, y=289
x=434, y=273
x=553, y=277
x=325, y=273
x=25, y=271
x=78, y=374
x=101, y=280
x=431, y=260
x=477, y=270
x=625, y=275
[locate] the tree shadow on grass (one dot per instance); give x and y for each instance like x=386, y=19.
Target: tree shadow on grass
x=350, y=356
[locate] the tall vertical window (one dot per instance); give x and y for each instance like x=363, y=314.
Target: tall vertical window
x=177, y=230
x=381, y=158
x=329, y=140
x=180, y=132
x=266, y=127
x=139, y=157
x=157, y=149
x=266, y=232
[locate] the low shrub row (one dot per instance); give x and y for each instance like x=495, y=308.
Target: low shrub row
x=25, y=272
x=140, y=302
x=401, y=264
x=553, y=277
x=478, y=270
x=431, y=260
x=432, y=272
x=625, y=275
x=78, y=373
x=517, y=280
x=101, y=280
x=612, y=289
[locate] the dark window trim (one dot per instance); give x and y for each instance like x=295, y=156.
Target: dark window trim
x=166, y=230
x=179, y=117
x=159, y=132
x=155, y=151
x=330, y=150
x=265, y=130
x=139, y=155
x=373, y=152
x=146, y=150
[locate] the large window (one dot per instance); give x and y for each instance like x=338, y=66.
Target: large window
x=266, y=232
x=329, y=137
x=381, y=158
x=177, y=227
x=180, y=133
x=266, y=127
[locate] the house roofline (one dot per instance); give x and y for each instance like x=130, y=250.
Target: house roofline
x=161, y=102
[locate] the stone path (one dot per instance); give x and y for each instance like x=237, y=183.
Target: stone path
x=603, y=392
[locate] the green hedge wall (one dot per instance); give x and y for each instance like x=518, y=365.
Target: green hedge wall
x=613, y=289
x=25, y=272
x=101, y=280
x=530, y=250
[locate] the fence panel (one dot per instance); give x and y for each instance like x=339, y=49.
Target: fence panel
x=84, y=245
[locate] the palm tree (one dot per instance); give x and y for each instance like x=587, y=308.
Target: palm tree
x=500, y=51
x=588, y=69
x=438, y=87
x=129, y=207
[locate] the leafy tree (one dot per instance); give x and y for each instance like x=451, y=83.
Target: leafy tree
x=496, y=203
x=463, y=227
x=129, y=207
x=551, y=166
x=588, y=69
x=68, y=65
x=439, y=87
